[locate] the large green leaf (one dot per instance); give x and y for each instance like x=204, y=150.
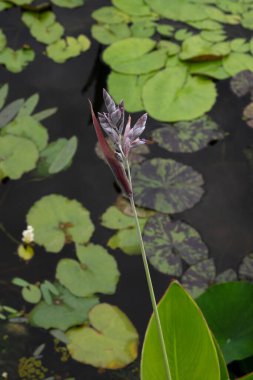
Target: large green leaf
x=18, y=156
x=228, y=309
x=58, y=220
x=237, y=62
x=166, y=185
x=132, y=7
x=65, y=311
x=173, y=94
x=64, y=49
x=16, y=60
x=188, y=136
x=212, y=69
x=28, y=127
x=110, y=341
x=109, y=33
x=182, y=10
x=197, y=49
x=109, y=15
x=189, y=344
x=168, y=243
x=97, y=271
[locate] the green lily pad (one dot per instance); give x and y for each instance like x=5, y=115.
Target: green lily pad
x=240, y=45
x=173, y=94
x=247, y=20
x=237, y=62
x=4, y=90
x=129, y=88
x=56, y=157
x=31, y=293
x=229, y=312
x=109, y=15
x=10, y=111
x=206, y=24
x=18, y=156
x=168, y=243
x=104, y=344
x=143, y=29
x=182, y=34
x=200, y=276
x=212, y=69
x=197, y=49
x=43, y=26
x=188, y=136
x=68, y=3
x=16, y=60
x=3, y=40
x=211, y=36
x=4, y=5
x=166, y=185
x=188, y=340
x=67, y=48
x=133, y=7
x=127, y=50
x=165, y=29
x=107, y=34
x=29, y=105
x=97, y=272
x=246, y=268
x=65, y=311
x=28, y=127
x=114, y=219
x=58, y=220
x=22, y=2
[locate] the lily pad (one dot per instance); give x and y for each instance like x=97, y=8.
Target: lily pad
x=65, y=311
x=229, y=312
x=200, y=276
x=212, y=69
x=16, y=60
x=31, y=293
x=58, y=220
x=188, y=136
x=239, y=45
x=237, y=62
x=173, y=94
x=166, y=185
x=29, y=105
x=56, y=157
x=111, y=340
x=197, y=49
x=114, y=219
x=18, y=156
x=109, y=15
x=211, y=36
x=107, y=34
x=133, y=7
x=246, y=268
x=182, y=34
x=165, y=29
x=68, y=3
x=28, y=127
x=247, y=20
x=96, y=272
x=168, y=243
x=67, y=48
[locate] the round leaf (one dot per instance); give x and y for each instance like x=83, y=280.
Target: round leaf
x=166, y=185
x=168, y=243
x=109, y=15
x=173, y=95
x=237, y=62
x=31, y=294
x=96, y=272
x=110, y=342
x=58, y=220
x=132, y=7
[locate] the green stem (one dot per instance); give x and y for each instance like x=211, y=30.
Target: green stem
x=149, y=281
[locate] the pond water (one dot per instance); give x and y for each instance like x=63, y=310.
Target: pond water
x=223, y=216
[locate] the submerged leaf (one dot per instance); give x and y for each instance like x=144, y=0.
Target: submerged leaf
x=58, y=220
x=168, y=243
x=166, y=185
x=242, y=83
x=104, y=344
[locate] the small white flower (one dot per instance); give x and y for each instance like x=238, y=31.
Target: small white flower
x=28, y=235
x=4, y=375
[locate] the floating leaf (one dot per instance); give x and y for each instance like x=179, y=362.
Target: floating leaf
x=132, y=7
x=109, y=33
x=27, y=127
x=246, y=268
x=4, y=5
x=19, y=282
x=64, y=157
x=165, y=29
x=211, y=36
x=173, y=94
x=182, y=34
x=143, y=29
x=104, y=344
x=65, y=311
x=44, y=114
x=31, y=293
x=206, y=24
x=212, y=69
x=229, y=313
x=16, y=60
x=197, y=49
x=114, y=219
x=166, y=185
x=242, y=83
x=189, y=344
x=68, y=3
x=26, y=253
x=109, y=15
x=18, y=156
x=188, y=136
x=96, y=272
x=58, y=220
x=67, y=48
x=239, y=45
x=29, y=105
x=247, y=20
x=168, y=243
x=3, y=40
x=237, y=62
x=10, y=111
x=3, y=94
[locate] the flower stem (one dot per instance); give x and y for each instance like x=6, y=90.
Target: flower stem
x=149, y=281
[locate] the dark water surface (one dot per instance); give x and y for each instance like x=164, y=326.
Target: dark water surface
x=224, y=216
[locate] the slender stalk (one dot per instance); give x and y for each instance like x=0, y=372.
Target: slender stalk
x=149, y=281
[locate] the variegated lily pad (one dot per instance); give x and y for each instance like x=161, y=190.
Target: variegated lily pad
x=246, y=268
x=188, y=136
x=168, y=243
x=166, y=185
